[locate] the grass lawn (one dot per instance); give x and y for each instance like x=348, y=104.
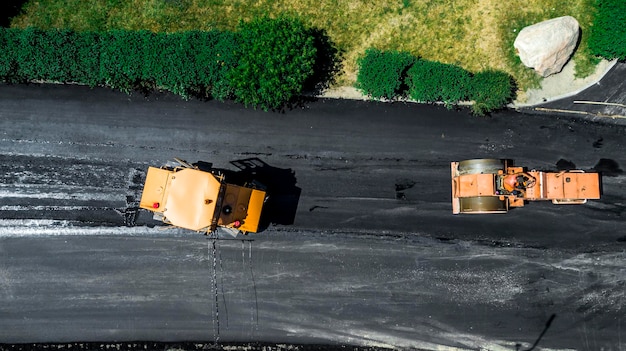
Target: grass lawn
x=473, y=34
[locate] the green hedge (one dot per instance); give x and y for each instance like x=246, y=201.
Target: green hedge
x=381, y=73
x=42, y=54
x=9, y=49
x=491, y=90
x=264, y=64
x=212, y=65
x=431, y=81
x=86, y=59
x=395, y=74
x=274, y=60
x=122, y=58
x=607, y=36
x=49, y=55
x=191, y=63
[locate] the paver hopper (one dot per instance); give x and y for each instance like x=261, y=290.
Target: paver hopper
x=189, y=197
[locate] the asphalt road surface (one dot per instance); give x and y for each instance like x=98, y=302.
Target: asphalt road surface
x=362, y=248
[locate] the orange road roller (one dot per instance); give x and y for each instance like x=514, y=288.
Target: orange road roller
x=495, y=185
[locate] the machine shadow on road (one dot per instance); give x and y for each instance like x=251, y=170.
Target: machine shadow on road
x=608, y=167
x=279, y=183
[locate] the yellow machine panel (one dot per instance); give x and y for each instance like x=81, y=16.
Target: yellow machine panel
x=191, y=199
x=154, y=189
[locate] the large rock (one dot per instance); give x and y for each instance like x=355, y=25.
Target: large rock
x=546, y=46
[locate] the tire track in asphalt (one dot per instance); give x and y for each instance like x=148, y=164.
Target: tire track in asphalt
x=87, y=191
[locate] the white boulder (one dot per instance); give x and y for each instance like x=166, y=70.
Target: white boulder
x=546, y=46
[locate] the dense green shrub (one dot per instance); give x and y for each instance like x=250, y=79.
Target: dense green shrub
x=190, y=63
x=266, y=64
x=46, y=54
x=37, y=54
x=382, y=73
x=327, y=63
x=122, y=59
x=390, y=74
x=608, y=33
x=491, y=90
x=213, y=63
x=154, y=69
x=9, y=47
x=274, y=59
x=169, y=62
x=431, y=81
x=83, y=63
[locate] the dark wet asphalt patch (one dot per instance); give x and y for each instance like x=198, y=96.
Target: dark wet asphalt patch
x=401, y=186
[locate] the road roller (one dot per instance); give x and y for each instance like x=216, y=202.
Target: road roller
x=481, y=186
x=200, y=199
